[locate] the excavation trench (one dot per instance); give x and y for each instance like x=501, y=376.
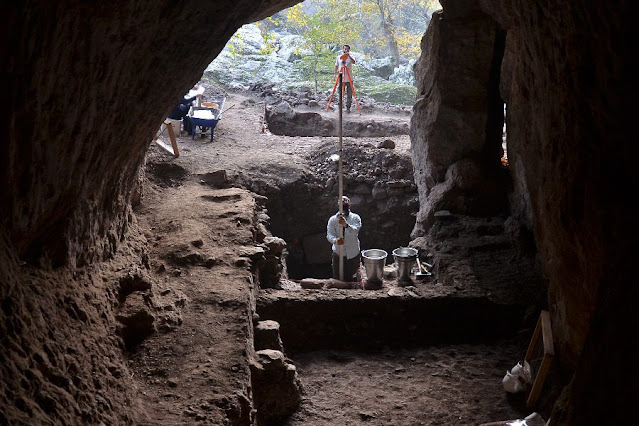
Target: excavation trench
x=467, y=296
x=409, y=352
x=463, y=299
x=466, y=300
x=415, y=352
x=343, y=342
x=362, y=320
x=379, y=182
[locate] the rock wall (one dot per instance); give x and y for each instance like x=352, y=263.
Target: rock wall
x=457, y=123
x=61, y=357
x=568, y=102
x=86, y=86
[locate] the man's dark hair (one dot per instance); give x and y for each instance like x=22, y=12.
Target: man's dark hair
x=346, y=45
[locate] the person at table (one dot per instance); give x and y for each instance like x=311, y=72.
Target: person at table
x=181, y=110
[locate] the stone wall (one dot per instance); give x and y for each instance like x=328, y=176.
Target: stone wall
x=568, y=101
x=85, y=85
x=458, y=117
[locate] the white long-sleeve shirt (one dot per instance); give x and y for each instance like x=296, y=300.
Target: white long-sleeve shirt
x=351, y=234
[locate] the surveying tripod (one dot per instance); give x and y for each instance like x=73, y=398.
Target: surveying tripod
x=340, y=80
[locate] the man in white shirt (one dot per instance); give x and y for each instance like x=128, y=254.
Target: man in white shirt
x=347, y=61
x=349, y=243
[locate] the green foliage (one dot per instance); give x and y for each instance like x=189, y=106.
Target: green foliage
x=409, y=44
x=235, y=44
x=331, y=22
x=386, y=91
x=374, y=28
x=269, y=44
x=267, y=26
x=330, y=25
x=395, y=24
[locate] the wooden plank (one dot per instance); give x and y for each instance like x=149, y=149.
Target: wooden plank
x=543, y=334
x=532, y=346
x=169, y=127
x=546, y=332
x=173, y=149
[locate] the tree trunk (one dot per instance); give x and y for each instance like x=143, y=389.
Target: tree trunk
x=389, y=32
x=386, y=19
x=315, y=72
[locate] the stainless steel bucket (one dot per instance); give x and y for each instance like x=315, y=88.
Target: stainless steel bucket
x=405, y=259
x=374, y=261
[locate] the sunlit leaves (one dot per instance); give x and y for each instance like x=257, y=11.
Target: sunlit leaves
x=324, y=26
x=235, y=44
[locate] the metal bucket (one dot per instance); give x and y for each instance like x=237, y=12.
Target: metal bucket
x=374, y=261
x=405, y=259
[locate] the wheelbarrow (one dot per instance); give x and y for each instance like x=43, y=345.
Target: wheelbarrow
x=206, y=116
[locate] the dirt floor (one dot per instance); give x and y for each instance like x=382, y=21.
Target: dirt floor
x=196, y=369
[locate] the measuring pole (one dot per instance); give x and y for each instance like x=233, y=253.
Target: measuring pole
x=339, y=177
x=350, y=82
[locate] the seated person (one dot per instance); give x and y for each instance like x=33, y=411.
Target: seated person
x=181, y=110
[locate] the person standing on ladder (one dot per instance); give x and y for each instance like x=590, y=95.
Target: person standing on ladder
x=342, y=231
x=346, y=60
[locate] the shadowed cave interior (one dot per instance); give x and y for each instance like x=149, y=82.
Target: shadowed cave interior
x=95, y=322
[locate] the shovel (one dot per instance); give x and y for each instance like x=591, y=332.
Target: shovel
x=421, y=271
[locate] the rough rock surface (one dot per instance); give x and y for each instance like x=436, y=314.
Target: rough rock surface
x=276, y=387
x=457, y=147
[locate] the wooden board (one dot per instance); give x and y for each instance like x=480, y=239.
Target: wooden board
x=166, y=147
x=173, y=149
x=541, y=347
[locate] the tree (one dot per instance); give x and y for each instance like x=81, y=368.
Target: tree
x=400, y=23
x=324, y=25
x=386, y=10
x=267, y=27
